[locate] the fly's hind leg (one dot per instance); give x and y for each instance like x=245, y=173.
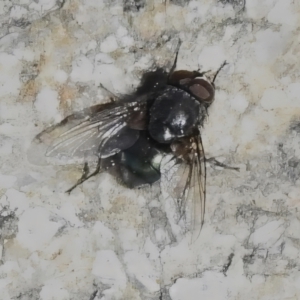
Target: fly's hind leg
x=217, y=163
x=85, y=175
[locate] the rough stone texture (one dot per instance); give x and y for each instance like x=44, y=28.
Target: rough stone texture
x=107, y=242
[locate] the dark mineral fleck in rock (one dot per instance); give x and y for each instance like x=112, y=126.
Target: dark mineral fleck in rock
x=133, y=5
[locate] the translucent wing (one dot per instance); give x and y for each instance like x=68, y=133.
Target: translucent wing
x=186, y=182
x=199, y=184
x=101, y=130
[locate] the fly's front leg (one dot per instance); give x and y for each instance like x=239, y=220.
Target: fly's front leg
x=85, y=175
x=218, y=71
x=175, y=60
x=217, y=163
x=181, y=77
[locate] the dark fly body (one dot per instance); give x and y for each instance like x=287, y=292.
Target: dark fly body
x=132, y=135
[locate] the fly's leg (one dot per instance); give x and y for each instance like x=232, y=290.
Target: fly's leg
x=175, y=60
x=85, y=172
x=218, y=71
x=181, y=77
x=112, y=97
x=212, y=160
x=201, y=73
x=85, y=175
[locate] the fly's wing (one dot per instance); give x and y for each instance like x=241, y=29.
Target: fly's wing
x=185, y=185
x=101, y=130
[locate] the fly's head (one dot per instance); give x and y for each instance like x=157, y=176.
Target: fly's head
x=196, y=84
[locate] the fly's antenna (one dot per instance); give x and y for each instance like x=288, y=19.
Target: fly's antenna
x=218, y=71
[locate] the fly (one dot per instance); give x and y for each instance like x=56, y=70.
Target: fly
x=133, y=134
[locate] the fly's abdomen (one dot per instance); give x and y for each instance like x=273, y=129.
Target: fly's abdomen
x=140, y=164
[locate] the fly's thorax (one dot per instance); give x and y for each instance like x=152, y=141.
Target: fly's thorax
x=174, y=114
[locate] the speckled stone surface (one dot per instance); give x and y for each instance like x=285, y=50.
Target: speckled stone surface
x=105, y=241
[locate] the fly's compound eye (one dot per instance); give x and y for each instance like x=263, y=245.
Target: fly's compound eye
x=202, y=90
x=194, y=83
